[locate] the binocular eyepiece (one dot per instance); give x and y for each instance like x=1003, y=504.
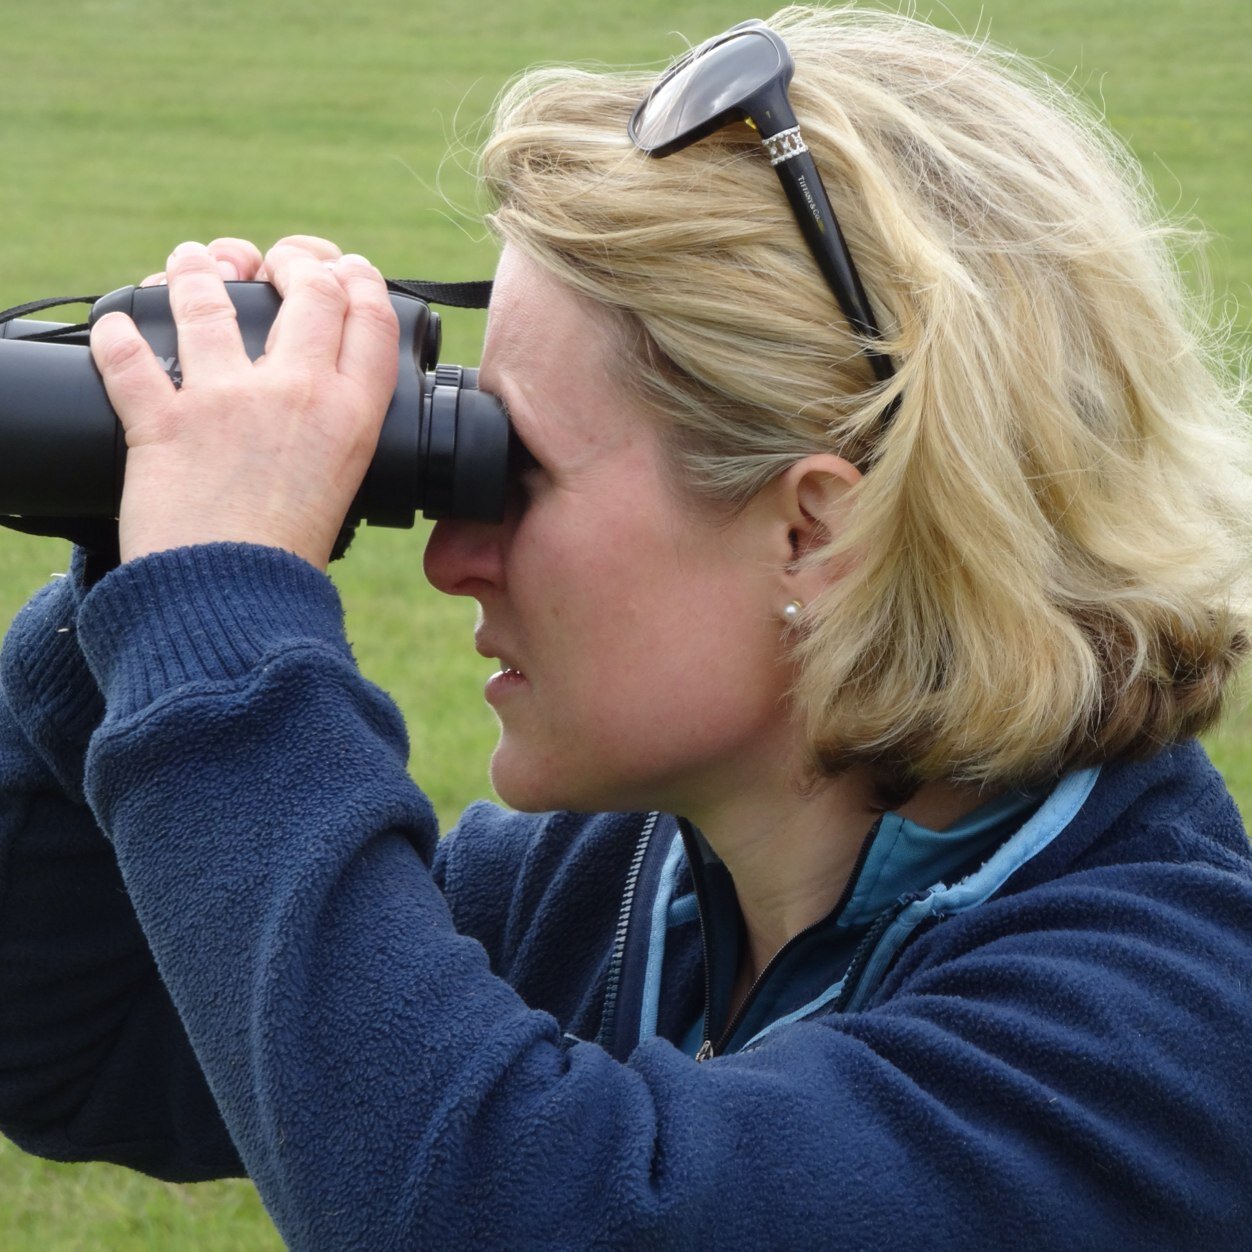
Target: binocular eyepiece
x=444, y=447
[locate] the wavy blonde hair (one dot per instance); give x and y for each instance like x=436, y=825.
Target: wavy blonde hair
x=1052, y=538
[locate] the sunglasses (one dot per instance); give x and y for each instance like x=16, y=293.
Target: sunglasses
x=742, y=76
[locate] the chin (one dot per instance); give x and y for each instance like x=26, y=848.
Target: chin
x=532, y=786
x=538, y=794
x=524, y=785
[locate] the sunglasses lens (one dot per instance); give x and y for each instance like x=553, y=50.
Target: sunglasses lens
x=707, y=89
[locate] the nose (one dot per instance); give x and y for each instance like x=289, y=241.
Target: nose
x=463, y=558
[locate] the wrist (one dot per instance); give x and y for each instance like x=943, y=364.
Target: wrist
x=203, y=614
x=202, y=523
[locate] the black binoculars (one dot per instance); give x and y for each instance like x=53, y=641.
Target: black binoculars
x=444, y=448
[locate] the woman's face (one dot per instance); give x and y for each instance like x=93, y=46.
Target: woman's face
x=638, y=637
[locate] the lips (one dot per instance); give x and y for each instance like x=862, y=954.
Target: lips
x=505, y=685
x=488, y=648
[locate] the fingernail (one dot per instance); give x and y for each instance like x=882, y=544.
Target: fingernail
x=228, y=270
x=353, y=258
x=110, y=321
x=190, y=248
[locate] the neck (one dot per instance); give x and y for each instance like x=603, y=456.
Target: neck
x=791, y=854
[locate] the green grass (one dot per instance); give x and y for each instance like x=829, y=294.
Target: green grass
x=132, y=124
x=99, y=1208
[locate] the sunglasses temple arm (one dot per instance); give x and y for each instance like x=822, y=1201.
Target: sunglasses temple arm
x=804, y=189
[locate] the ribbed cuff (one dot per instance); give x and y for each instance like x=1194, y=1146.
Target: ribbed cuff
x=199, y=615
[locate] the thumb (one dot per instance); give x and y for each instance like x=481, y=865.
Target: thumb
x=132, y=375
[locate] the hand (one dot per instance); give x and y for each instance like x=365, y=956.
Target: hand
x=270, y=452
x=241, y=260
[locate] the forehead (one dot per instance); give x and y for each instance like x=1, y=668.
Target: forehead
x=533, y=314
x=549, y=353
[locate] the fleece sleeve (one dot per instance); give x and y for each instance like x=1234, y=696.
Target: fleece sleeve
x=94, y=1063
x=385, y=1090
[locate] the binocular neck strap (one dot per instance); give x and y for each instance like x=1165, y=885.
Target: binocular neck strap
x=37, y=306
x=474, y=295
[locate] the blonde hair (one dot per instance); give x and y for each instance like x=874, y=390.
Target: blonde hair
x=1052, y=538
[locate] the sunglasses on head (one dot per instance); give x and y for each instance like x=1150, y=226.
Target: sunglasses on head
x=742, y=76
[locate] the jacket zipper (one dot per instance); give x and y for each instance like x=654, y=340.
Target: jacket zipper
x=707, y=1048
x=697, y=881
x=865, y=949
x=614, y=979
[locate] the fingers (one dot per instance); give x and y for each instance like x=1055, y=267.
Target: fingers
x=319, y=249
x=334, y=311
x=133, y=377
x=369, y=350
x=280, y=258
x=335, y=314
x=238, y=260
x=208, y=331
x=309, y=326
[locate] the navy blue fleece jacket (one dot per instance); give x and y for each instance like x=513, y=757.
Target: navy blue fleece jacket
x=405, y=1042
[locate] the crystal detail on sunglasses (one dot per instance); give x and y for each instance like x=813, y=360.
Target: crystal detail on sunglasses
x=784, y=145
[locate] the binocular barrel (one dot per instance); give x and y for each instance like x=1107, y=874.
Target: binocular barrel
x=444, y=446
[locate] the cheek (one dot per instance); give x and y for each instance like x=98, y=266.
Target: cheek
x=649, y=682
x=673, y=667
x=646, y=606
x=635, y=601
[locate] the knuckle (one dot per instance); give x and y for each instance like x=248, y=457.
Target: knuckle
x=189, y=262
x=278, y=256
x=244, y=254
x=205, y=308
x=324, y=287
x=300, y=390
x=377, y=316
x=322, y=249
x=229, y=243
x=123, y=354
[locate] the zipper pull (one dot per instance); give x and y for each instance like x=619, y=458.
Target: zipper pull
x=706, y=1050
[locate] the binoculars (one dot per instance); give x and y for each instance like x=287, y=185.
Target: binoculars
x=444, y=447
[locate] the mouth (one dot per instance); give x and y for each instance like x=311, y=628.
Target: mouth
x=508, y=669
x=504, y=685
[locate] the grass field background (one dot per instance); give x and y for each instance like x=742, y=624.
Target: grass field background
x=130, y=125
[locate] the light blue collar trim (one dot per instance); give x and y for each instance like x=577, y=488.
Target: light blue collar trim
x=906, y=856
x=1056, y=812
x=1048, y=821
x=1054, y=815
x=650, y=1007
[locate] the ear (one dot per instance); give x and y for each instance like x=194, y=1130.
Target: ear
x=811, y=503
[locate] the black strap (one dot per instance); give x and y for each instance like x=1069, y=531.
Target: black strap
x=476, y=295
x=473, y=295
x=56, y=333
x=37, y=306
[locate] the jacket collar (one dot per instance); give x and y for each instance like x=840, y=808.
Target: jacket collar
x=899, y=863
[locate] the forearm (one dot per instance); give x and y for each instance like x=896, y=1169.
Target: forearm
x=373, y=1071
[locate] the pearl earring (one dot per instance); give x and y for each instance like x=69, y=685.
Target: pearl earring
x=791, y=613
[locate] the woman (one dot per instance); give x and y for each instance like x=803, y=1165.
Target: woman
x=908, y=625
